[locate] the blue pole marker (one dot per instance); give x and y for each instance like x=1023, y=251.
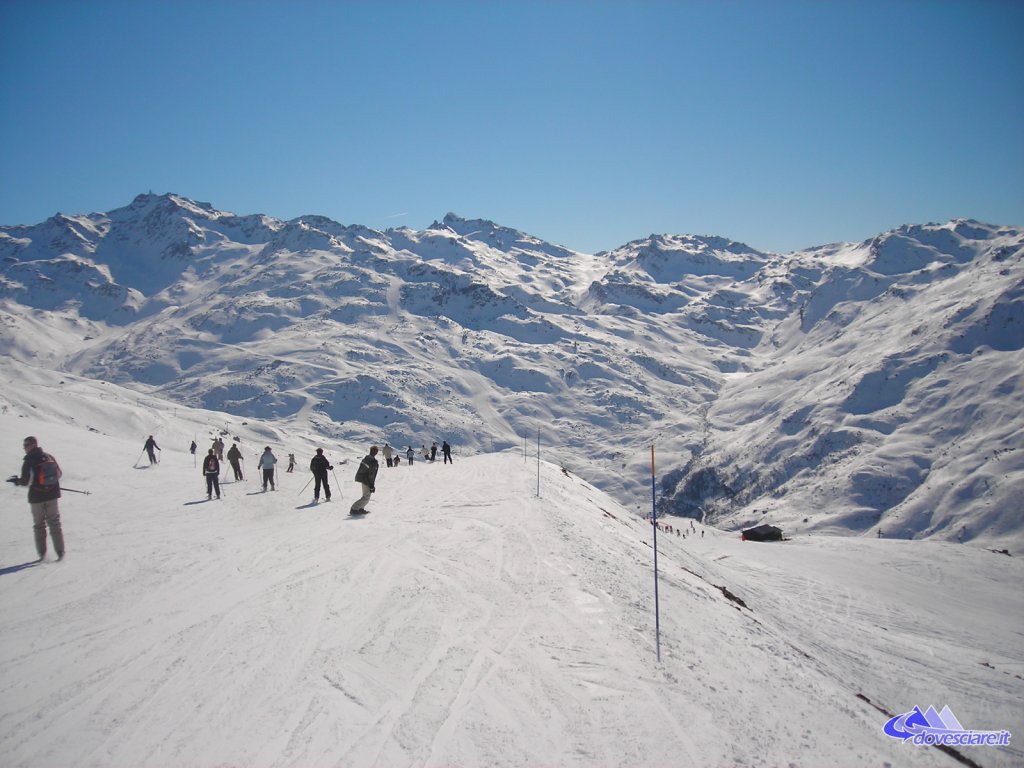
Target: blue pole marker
x=538, y=462
x=654, y=525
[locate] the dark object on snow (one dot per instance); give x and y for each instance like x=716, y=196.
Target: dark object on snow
x=762, y=533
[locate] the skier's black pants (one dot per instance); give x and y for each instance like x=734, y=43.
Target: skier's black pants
x=212, y=484
x=321, y=479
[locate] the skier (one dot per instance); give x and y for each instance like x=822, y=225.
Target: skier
x=319, y=465
x=424, y=453
x=267, y=462
x=149, y=447
x=41, y=473
x=211, y=471
x=192, y=448
x=447, y=451
x=367, y=476
x=409, y=455
x=291, y=462
x=218, y=446
x=386, y=450
x=433, y=452
x=235, y=457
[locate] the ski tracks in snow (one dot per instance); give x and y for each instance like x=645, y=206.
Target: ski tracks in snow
x=465, y=621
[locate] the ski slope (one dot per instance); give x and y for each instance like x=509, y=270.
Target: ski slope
x=466, y=621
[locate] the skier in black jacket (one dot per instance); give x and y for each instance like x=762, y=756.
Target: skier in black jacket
x=150, y=448
x=319, y=466
x=41, y=473
x=367, y=475
x=211, y=471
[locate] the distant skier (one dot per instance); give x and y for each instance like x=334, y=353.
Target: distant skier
x=235, y=457
x=192, y=448
x=433, y=452
x=424, y=453
x=447, y=451
x=367, y=476
x=386, y=450
x=211, y=471
x=218, y=446
x=291, y=463
x=319, y=465
x=150, y=448
x=409, y=454
x=267, y=462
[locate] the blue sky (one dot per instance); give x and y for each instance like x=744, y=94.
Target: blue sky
x=782, y=124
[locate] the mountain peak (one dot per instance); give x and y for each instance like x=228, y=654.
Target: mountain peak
x=172, y=202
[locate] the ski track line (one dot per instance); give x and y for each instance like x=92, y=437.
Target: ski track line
x=458, y=578
x=477, y=675
x=126, y=670
x=451, y=642
x=203, y=654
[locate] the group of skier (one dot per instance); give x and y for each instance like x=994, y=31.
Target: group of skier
x=41, y=473
x=211, y=468
x=394, y=459
x=319, y=466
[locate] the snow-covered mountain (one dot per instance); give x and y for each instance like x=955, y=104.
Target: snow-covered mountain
x=848, y=388
x=467, y=621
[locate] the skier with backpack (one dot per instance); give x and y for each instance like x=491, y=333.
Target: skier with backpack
x=41, y=473
x=211, y=471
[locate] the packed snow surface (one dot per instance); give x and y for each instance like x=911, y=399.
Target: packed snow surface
x=466, y=621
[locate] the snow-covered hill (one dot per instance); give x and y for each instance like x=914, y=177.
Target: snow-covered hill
x=466, y=621
x=849, y=388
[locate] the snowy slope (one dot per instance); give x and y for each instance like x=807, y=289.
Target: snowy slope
x=847, y=389
x=466, y=621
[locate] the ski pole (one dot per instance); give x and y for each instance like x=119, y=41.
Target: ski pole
x=305, y=486
x=72, y=490
x=337, y=482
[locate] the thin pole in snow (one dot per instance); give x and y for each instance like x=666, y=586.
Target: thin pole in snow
x=654, y=526
x=538, y=462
